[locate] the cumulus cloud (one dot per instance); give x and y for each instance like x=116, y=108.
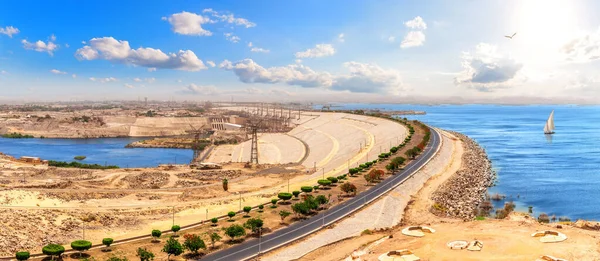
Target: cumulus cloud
x=582, y=49
x=200, y=90
x=486, y=69
x=187, y=23
x=103, y=80
x=9, y=30
x=413, y=39
x=231, y=37
x=211, y=63
x=364, y=78
x=111, y=49
x=320, y=50
x=55, y=71
x=41, y=46
x=416, y=23
x=229, y=18
x=128, y=85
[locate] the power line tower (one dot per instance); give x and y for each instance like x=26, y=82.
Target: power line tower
x=196, y=144
x=253, y=126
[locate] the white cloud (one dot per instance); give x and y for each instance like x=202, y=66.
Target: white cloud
x=128, y=85
x=83, y=42
x=211, y=63
x=67, y=45
x=41, y=46
x=259, y=50
x=108, y=48
x=74, y=76
x=148, y=80
x=416, y=23
x=152, y=69
x=187, y=23
x=9, y=30
x=486, y=69
x=298, y=61
x=52, y=38
x=320, y=50
x=230, y=18
x=250, y=44
x=391, y=39
x=413, y=39
x=55, y=71
x=583, y=48
x=201, y=90
x=231, y=37
x=341, y=38
x=363, y=78
x=137, y=79
x=103, y=80
x=179, y=81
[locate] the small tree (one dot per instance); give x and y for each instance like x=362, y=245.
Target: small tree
x=214, y=221
x=284, y=196
x=144, y=254
x=22, y=256
x=225, y=184
x=193, y=243
x=274, y=203
x=301, y=208
x=234, y=231
x=214, y=237
x=254, y=224
x=322, y=200
x=53, y=250
x=113, y=258
x=107, y=242
x=316, y=188
x=156, y=234
x=306, y=189
x=333, y=179
x=353, y=171
x=81, y=245
x=324, y=182
x=230, y=214
x=348, y=188
x=283, y=214
x=175, y=229
x=260, y=208
x=172, y=247
x=247, y=209
x=296, y=193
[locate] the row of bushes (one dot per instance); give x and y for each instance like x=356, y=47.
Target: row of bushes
x=16, y=135
x=75, y=164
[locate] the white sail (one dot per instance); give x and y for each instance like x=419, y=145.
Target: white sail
x=549, y=127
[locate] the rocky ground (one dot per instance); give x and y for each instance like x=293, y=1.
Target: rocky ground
x=460, y=195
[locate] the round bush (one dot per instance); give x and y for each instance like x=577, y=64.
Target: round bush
x=296, y=193
x=214, y=220
x=81, y=245
x=107, y=241
x=156, y=233
x=284, y=196
x=333, y=180
x=274, y=203
x=324, y=182
x=231, y=214
x=175, y=228
x=247, y=209
x=53, y=250
x=316, y=188
x=261, y=207
x=22, y=256
x=306, y=189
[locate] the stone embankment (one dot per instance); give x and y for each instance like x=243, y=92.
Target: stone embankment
x=460, y=195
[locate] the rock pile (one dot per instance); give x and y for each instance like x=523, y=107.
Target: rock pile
x=79, y=196
x=147, y=180
x=460, y=195
x=210, y=175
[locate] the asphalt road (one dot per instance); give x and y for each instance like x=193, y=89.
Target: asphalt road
x=298, y=230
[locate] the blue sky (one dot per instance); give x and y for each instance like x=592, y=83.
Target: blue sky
x=391, y=51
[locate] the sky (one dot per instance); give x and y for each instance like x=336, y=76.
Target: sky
x=310, y=50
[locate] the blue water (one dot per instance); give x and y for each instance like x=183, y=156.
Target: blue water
x=102, y=151
x=558, y=176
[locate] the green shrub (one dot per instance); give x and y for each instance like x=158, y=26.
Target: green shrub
x=231, y=214
x=254, y=224
x=144, y=254
x=235, y=231
x=247, y=209
x=321, y=199
x=79, y=157
x=353, y=171
x=75, y=164
x=81, y=245
x=332, y=179
x=260, y=208
x=193, y=243
x=306, y=189
x=175, y=229
x=316, y=188
x=301, y=208
x=362, y=166
x=214, y=221
x=22, y=256
x=296, y=193
x=273, y=203
x=156, y=234
x=107, y=241
x=284, y=196
x=172, y=247
x=53, y=250
x=324, y=182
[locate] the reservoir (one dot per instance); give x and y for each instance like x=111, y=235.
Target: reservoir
x=110, y=151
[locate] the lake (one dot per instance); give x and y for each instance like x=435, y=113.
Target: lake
x=110, y=151
x=556, y=175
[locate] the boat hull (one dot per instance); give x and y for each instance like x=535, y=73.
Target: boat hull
x=548, y=133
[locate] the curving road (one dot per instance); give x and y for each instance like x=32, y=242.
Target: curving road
x=299, y=230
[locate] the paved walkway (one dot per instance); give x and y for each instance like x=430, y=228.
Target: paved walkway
x=386, y=212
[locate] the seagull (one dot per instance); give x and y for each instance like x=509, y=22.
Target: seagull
x=510, y=37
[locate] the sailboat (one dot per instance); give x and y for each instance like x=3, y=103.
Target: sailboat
x=549, y=127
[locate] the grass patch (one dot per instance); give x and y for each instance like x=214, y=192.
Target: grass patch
x=480, y=218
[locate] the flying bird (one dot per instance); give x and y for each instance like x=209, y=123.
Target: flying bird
x=510, y=37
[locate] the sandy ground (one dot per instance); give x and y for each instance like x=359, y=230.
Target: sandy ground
x=273, y=148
